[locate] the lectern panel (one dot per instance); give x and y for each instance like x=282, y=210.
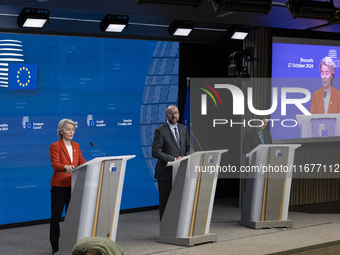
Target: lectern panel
x=95, y=202
x=72, y=221
x=267, y=190
x=323, y=127
x=107, y=195
x=278, y=157
x=206, y=181
x=187, y=216
x=171, y=216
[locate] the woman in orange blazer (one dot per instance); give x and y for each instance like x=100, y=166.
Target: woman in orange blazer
x=65, y=156
x=327, y=98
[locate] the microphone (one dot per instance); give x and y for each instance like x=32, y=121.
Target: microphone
x=192, y=134
x=92, y=144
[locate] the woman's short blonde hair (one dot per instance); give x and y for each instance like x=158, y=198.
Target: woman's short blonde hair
x=327, y=61
x=62, y=124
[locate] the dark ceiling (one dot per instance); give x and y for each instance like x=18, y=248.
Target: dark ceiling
x=150, y=21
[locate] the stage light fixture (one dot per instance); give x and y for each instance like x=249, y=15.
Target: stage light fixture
x=236, y=67
x=262, y=6
x=239, y=35
x=33, y=18
x=114, y=23
x=181, y=27
x=309, y=9
x=237, y=32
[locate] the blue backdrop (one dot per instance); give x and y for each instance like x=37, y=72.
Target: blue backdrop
x=96, y=82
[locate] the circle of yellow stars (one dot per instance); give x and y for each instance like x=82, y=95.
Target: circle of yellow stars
x=24, y=69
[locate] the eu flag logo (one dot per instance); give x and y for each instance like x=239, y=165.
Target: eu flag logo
x=23, y=76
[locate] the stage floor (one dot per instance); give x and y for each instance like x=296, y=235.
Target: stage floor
x=137, y=233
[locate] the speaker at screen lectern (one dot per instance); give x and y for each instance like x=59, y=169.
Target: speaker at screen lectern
x=94, y=208
x=267, y=189
x=187, y=215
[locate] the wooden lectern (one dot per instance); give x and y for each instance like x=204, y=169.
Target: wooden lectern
x=187, y=216
x=267, y=191
x=94, y=208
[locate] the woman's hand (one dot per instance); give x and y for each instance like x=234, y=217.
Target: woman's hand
x=68, y=169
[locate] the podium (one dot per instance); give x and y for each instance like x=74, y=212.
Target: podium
x=319, y=125
x=94, y=207
x=187, y=215
x=267, y=189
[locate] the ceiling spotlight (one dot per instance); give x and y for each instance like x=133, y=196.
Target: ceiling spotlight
x=31, y=17
x=114, y=23
x=237, y=32
x=309, y=9
x=181, y=27
x=262, y=6
x=239, y=35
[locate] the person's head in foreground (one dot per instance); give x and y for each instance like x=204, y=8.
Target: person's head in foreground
x=97, y=246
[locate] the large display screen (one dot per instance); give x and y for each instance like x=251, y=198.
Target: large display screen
x=295, y=64
x=101, y=84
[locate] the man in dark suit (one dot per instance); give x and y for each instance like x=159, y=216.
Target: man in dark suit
x=257, y=135
x=170, y=142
